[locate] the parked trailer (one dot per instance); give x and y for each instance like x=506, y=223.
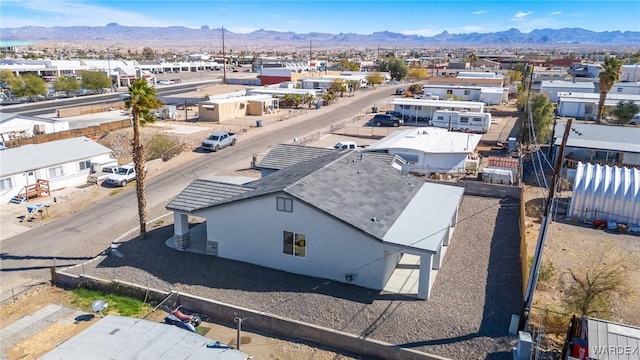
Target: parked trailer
x=474, y=122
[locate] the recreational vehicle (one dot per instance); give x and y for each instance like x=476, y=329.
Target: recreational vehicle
x=474, y=122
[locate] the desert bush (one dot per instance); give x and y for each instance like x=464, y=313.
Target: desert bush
x=162, y=146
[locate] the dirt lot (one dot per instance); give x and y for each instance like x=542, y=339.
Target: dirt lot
x=572, y=244
x=259, y=346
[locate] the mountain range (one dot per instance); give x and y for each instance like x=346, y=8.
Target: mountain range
x=183, y=37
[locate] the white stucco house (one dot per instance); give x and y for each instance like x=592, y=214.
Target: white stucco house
x=430, y=150
x=54, y=165
x=345, y=216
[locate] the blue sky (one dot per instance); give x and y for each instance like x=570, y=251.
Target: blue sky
x=363, y=17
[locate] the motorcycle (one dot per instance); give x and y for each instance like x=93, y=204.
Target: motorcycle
x=182, y=320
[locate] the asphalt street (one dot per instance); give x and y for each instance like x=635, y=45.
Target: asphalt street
x=26, y=258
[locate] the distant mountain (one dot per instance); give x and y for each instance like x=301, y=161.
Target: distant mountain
x=182, y=37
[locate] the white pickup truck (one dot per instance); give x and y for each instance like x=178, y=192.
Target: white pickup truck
x=96, y=177
x=219, y=140
x=124, y=174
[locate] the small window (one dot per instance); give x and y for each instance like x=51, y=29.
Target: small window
x=477, y=119
x=241, y=105
x=409, y=158
x=83, y=165
x=467, y=92
x=619, y=90
x=55, y=172
x=449, y=92
x=6, y=183
x=284, y=204
x=464, y=120
x=294, y=244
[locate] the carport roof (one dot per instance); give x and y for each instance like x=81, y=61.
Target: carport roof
x=120, y=337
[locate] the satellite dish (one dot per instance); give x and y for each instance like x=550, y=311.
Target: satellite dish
x=99, y=306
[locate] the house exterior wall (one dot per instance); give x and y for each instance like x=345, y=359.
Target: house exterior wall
x=256, y=108
x=333, y=249
x=59, y=176
x=433, y=163
x=268, y=80
x=553, y=91
x=208, y=112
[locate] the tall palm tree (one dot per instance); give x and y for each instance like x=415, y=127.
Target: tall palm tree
x=142, y=99
x=610, y=74
x=473, y=59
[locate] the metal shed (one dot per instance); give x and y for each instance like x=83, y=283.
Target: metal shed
x=607, y=193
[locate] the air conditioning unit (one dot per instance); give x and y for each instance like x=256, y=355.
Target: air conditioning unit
x=522, y=349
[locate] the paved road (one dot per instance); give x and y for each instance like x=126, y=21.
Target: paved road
x=26, y=258
x=47, y=107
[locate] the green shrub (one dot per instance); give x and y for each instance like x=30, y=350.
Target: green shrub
x=161, y=146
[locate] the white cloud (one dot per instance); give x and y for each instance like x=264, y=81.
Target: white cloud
x=76, y=13
x=556, y=13
x=521, y=15
x=480, y=12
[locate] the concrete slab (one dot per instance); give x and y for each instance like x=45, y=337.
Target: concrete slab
x=404, y=279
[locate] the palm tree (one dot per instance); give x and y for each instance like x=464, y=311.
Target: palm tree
x=473, y=59
x=610, y=74
x=142, y=99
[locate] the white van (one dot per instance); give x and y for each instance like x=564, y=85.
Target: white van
x=635, y=120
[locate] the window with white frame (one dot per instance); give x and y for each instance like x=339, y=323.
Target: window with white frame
x=284, y=204
x=464, y=120
x=83, y=165
x=6, y=183
x=57, y=171
x=294, y=243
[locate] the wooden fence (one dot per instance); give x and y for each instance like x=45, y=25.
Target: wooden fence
x=91, y=131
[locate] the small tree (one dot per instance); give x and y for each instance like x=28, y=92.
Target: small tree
x=308, y=99
x=95, y=80
x=28, y=85
x=415, y=89
x=417, y=73
x=6, y=76
x=625, y=110
x=542, y=116
x=148, y=53
x=395, y=66
x=375, y=78
x=347, y=65
x=514, y=75
x=473, y=59
x=592, y=290
x=66, y=84
x=338, y=86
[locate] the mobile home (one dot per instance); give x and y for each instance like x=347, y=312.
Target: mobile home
x=475, y=122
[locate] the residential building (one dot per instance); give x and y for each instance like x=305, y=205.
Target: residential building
x=553, y=87
x=430, y=150
x=55, y=164
x=585, y=105
x=344, y=216
x=14, y=126
x=422, y=109
x=221, y=110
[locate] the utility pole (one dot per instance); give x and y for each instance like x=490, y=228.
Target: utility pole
x=239, y=321
x=542, y=236
x=309, y=52
x=224, y=61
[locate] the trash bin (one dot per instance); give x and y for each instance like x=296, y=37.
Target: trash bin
x=258, y=123
x=318, y=105
x=374, y=109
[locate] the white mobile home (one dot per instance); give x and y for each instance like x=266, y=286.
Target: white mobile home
x=429, y=150
x=553, y=87
x=59, y=164
x=423, y=110
x=585, y=105
x=474, y=122
x=13, y=126
x=488, y=95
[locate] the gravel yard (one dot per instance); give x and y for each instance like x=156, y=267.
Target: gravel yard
x=467, y=317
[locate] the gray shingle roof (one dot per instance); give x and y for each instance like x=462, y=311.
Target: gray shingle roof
x=205, y=193
x=285, y=155
x=351, y=186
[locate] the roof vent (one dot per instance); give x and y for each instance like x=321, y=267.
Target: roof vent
x=375, y=220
